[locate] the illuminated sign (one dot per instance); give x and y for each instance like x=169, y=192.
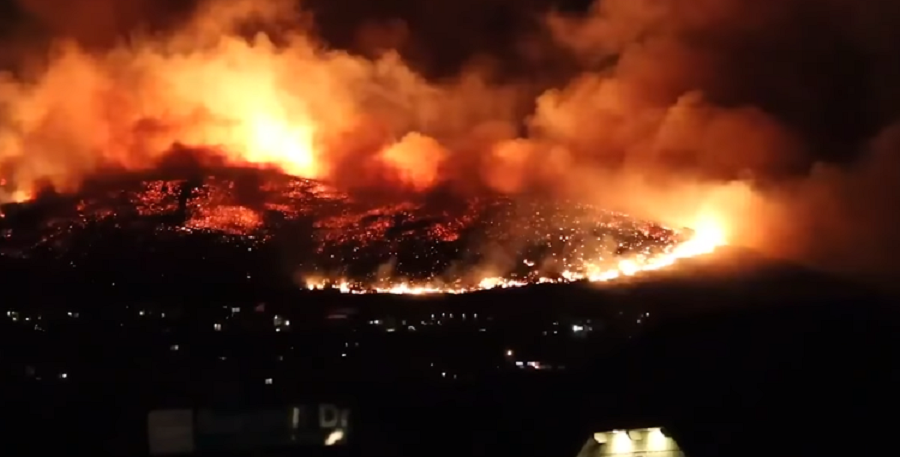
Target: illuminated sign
x=187, y=431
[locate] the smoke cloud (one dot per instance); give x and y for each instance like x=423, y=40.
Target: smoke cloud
x=788, y=103
x=773, y=120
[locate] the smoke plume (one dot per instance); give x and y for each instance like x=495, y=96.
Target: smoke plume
x=772, y=120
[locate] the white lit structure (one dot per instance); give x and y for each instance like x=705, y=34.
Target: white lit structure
x=649, y=442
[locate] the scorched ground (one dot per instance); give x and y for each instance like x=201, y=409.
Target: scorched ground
x=248, y=225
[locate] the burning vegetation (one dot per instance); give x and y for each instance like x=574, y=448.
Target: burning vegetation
x=668, y=110
x=427, y=244
x=430, y=187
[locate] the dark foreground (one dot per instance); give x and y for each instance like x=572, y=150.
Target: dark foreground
x=775, y=362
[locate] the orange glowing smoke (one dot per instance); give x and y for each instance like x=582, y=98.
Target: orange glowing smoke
x=415, y=159
x=131, y=106
x=286, y=101
x=296, y=106
x=666, y=96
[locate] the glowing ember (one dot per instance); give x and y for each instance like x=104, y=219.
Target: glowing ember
x=698, y=245
x=234, y=220
x=435, y=245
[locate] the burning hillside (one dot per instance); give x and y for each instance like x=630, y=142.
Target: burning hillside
x=425, y=244
x=250, y=81
x=675, y=113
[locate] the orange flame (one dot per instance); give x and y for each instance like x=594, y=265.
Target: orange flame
x=705, y=241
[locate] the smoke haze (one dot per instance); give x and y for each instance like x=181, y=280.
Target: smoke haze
x=772, y=119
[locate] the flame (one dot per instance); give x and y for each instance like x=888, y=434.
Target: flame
x=707, y=238
x=273, y=141
x=288, y=102
x=293, y=106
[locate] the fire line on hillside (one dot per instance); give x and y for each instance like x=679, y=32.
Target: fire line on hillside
x=419, y=246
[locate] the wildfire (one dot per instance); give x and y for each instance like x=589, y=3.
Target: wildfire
x=704, y=241
x=325, y=116
x=356, y=245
